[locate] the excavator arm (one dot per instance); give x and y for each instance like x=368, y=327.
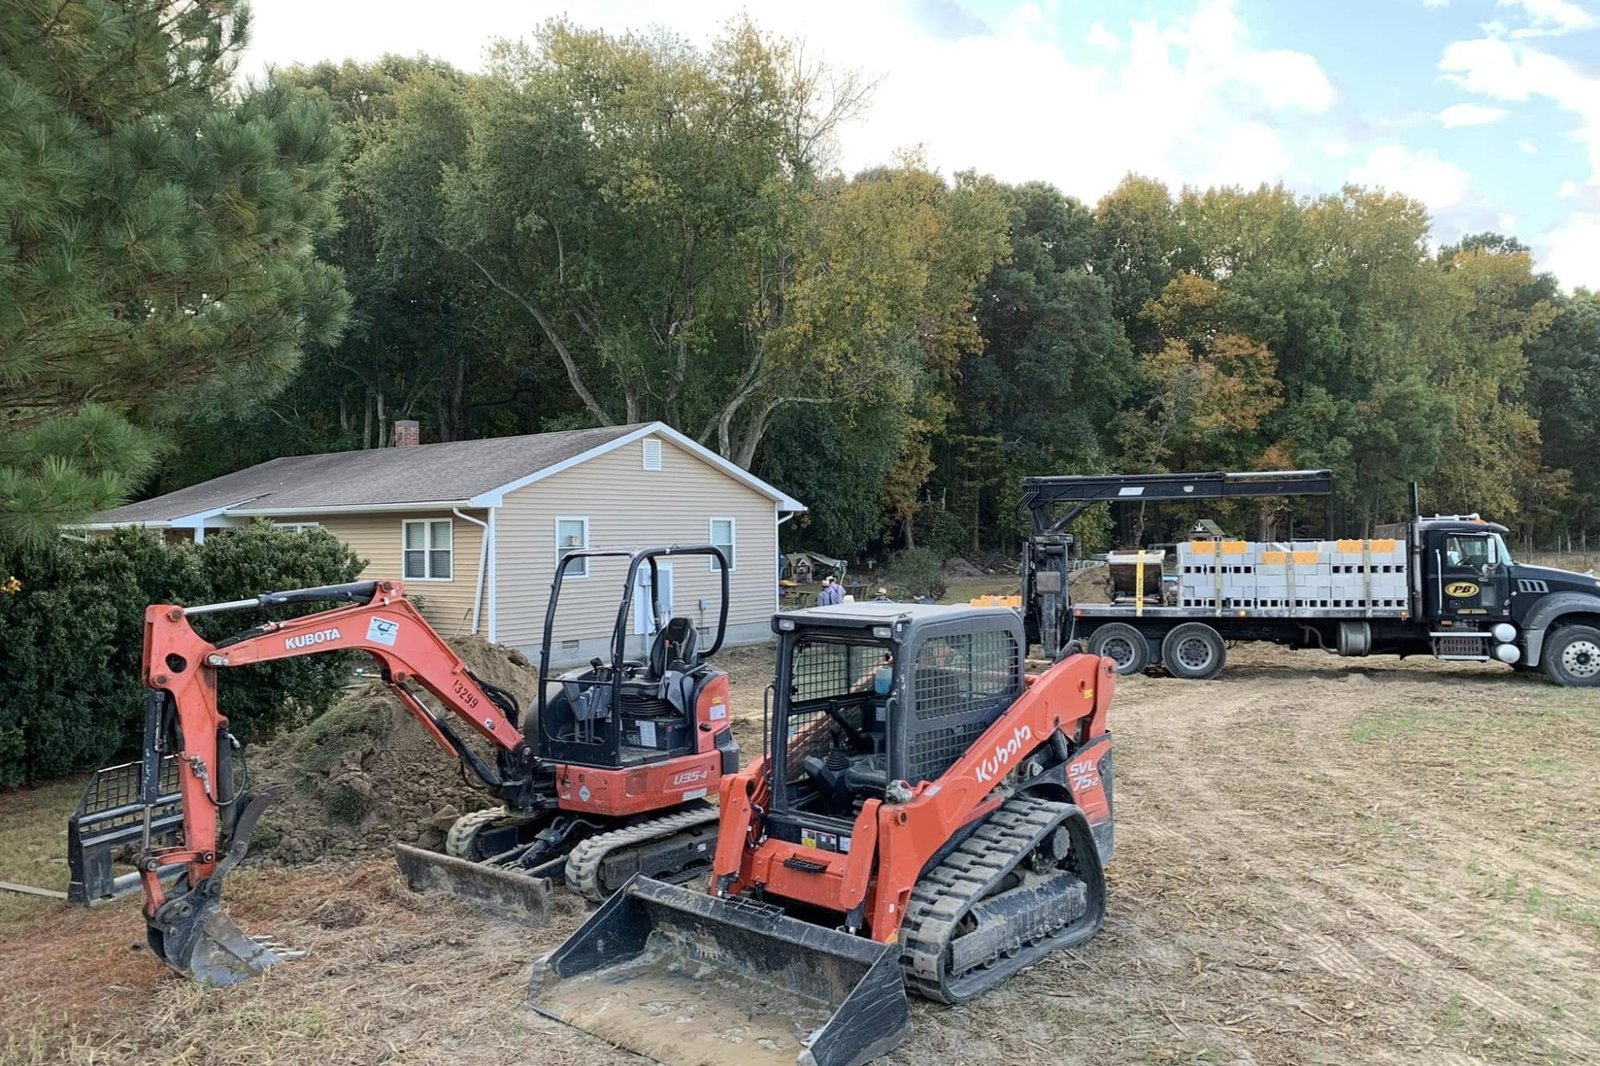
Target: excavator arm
x=180, y=668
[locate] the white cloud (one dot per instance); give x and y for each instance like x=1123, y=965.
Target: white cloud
x=1421, y=175
x=1571, y=251
x=1435, y=3
x=1549, y=18
x=1528, y=147
x=1102, y=38
x=1470, y=115
x=1514, y=72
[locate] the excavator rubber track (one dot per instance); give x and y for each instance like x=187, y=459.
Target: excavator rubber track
x=1026, y=883
x=600, y=865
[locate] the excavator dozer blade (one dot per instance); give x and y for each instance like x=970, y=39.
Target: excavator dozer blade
x=199, y=941
x=687, y=979
x=505, y=893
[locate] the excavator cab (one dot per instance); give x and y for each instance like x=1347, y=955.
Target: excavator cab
x=621, y=712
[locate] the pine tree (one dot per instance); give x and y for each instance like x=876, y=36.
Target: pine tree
x=156, y=242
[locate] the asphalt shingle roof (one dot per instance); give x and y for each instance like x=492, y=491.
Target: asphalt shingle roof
x=423, y=473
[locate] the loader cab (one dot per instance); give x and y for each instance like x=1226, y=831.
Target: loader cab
x=1467, y=571
x=874, y=698
x=620, y=712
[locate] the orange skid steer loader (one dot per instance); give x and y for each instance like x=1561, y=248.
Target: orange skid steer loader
x=926, y=817
x=613, y=783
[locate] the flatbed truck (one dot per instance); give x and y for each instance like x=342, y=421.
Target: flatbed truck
x=1444, y=586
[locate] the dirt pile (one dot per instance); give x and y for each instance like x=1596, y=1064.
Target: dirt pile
x=1091, y=585
x=957, y=567
x=366, y=774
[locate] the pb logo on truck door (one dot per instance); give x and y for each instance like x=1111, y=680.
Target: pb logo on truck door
x=1461, y=590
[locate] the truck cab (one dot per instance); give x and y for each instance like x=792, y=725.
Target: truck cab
x=1481, y=603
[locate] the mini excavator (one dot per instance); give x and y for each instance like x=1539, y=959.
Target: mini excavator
x=613, y=783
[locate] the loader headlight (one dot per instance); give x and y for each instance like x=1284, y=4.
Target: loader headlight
x=786, y=624
x=881, y=632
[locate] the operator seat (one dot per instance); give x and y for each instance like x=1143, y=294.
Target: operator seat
x=676, y=648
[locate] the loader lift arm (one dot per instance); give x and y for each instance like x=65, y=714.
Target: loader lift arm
x=179, y=667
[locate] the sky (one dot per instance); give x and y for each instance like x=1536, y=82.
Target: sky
x=1488, y=111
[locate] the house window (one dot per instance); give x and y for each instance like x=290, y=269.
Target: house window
x=722, y=537
x=296, y=527
x=427, y=550
x=652, y=453
x=572, y=534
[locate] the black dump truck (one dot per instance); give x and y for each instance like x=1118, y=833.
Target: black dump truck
x=1444, y=586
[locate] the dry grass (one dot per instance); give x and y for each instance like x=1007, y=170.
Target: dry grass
x=1316, y=864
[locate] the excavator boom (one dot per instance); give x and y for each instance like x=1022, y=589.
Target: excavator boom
x=187, y=927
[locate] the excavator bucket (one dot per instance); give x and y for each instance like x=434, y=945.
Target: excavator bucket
x=195, y=938
x=686, y=979
x=506, y=893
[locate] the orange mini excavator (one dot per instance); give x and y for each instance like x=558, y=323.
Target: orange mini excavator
x=613, y=784
x=927, y=816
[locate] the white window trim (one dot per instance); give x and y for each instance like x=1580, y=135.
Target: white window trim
x=427, y=539
x=301, y=527
x=570, y=574
x=733, y=542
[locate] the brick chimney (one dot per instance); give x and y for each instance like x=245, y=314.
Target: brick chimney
x=407, y=433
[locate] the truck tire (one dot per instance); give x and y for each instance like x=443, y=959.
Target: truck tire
x=1194, y=651
x=1122, y=644
x=1571, y=656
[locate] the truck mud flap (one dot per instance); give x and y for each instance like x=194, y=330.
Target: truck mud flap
x=503, y=892
x=687, y=979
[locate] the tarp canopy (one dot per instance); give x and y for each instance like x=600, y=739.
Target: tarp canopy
x=814, y=564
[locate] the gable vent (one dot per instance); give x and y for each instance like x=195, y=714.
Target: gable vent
x=652, y=453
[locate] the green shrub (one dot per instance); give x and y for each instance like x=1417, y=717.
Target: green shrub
x=71, y=631
x=920, y=570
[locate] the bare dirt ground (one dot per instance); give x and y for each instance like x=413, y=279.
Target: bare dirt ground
x=1396, y=863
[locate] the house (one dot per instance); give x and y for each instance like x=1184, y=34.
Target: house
x=474, y=527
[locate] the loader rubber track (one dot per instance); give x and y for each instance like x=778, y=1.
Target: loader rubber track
x=1065, y=905
x=585, y=862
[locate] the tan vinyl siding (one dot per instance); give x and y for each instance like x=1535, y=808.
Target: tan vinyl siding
x=630, y=507
x=447, y=605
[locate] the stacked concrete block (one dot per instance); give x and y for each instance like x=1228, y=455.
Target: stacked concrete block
x=1298, y=577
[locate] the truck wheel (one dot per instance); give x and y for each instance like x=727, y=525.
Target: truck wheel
x=1122, y=644
x=1572, y=656
x=1194, y=651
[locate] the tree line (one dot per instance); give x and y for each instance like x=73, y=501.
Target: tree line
x=601, y=228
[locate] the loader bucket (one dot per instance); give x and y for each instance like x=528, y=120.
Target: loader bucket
x=505, y=893
x=194, y=937
x=689, y=979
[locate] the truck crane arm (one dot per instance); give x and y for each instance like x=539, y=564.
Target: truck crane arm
x=186, y=926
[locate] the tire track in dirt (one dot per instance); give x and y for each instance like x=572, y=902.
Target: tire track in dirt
x=1325, y=897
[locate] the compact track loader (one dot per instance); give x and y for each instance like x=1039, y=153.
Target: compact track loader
x=609, y=780
x=926, y=816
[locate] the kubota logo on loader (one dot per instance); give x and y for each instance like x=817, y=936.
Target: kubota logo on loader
x=1460, y=590
x=990, y=768
x=305, y=640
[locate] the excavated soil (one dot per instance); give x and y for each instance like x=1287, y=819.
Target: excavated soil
x=366, y=773
x=1317, y=862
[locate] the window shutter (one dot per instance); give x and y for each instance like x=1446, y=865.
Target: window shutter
x=652, y=453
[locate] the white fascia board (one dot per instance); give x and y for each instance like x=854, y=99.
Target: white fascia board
x=357, y=508
x=496, y=496
x=198, y=519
